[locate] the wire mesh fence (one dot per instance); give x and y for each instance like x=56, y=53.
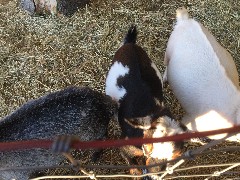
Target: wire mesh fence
x=169, y=173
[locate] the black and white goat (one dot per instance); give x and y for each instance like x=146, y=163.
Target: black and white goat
x=136, y=84
x=80, y=112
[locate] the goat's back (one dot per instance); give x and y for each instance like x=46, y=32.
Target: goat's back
x=72, y=111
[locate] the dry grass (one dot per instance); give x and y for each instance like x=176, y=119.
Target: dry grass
x=44, y=54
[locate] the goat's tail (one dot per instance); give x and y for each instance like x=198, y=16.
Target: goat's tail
x=182, y=14
x=131, y=36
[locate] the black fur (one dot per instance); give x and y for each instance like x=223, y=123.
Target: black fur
x=131, y=36
x=73, y=111
x=143, y=97
x=143, y=87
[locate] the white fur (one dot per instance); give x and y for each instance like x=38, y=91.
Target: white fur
x=169, y=126
x=203, y=77
x=112, y=89
x=52, y=6
x=162, y=150
x=166, y=127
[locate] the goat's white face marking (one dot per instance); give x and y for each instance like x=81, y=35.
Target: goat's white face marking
x=172, y=126
x=112, y=89
x=165, y=127
x=157, y=72
x=160, y=131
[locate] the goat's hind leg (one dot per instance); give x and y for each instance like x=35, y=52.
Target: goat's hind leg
x=131, y=155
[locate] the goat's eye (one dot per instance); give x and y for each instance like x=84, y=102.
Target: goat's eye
x=162, y=131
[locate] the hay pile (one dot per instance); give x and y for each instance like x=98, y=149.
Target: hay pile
x=39, y=55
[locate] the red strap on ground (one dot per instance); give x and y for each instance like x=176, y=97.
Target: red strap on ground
x=46, y=144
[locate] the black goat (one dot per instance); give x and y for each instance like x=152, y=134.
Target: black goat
x=74, y=111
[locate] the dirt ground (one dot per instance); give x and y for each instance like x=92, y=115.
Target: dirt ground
x=39, y=54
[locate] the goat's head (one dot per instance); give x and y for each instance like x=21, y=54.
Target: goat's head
x=159, y=127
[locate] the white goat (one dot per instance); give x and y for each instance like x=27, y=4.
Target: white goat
x=203, y=77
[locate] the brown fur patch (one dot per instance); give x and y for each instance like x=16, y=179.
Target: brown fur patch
x=176, y=154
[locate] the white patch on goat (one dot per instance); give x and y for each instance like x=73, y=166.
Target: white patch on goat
x=165, y=127
x=157, y=72
x=172, y=126
x=163, y=150
x=112, y=89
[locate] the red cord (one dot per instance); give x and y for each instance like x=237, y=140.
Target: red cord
x=46, y=144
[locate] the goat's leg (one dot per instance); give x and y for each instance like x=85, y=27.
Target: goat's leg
x=130, y=154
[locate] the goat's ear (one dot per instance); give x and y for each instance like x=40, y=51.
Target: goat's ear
x=140, y=122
